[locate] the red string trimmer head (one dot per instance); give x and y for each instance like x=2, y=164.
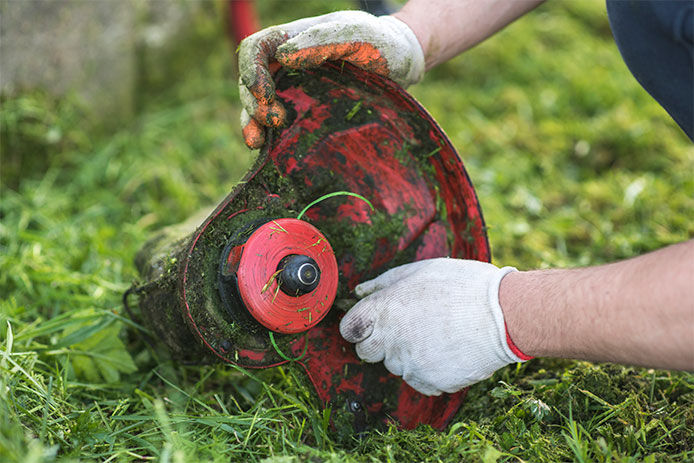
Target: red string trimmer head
x=255, y=286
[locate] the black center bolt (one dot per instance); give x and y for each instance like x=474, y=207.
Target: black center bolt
x=299, y=275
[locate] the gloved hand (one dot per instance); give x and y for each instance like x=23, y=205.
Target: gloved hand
x=384, y=45
x=437, y=323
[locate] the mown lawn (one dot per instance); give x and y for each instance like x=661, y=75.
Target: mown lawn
x=574, y=165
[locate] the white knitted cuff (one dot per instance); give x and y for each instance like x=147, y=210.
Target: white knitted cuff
x=416, y=68
x=499, y=314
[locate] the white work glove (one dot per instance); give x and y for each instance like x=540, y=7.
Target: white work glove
x=384, y=45
x=437, y=323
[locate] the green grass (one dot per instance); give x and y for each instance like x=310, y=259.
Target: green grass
x=573, y=162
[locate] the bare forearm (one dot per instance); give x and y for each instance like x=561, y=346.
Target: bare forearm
x=639, y=311
x=446, y=28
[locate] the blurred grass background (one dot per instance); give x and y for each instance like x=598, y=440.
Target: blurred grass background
x=573, y=162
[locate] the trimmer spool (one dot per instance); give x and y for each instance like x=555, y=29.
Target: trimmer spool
x=285, y=275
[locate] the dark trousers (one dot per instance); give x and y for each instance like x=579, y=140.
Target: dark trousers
x=656, y=40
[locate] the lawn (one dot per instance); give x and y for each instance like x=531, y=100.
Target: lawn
x=574, y=165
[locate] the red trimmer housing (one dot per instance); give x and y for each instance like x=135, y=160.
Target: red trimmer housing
x=254, y=286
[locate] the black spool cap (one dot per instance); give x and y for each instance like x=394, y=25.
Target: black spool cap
x=299, y=275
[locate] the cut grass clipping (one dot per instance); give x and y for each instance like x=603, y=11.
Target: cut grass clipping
x=332, y=195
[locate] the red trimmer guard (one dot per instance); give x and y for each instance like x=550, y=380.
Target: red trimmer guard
x=347, y=130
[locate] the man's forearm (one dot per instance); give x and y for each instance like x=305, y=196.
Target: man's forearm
x=446, y=28
x=639, y=311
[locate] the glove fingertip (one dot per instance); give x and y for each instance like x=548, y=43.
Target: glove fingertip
x=253, y=134
x=422, y=387
x=356, y=325
x=388, y=278
x=370, y=352
x=364, y=289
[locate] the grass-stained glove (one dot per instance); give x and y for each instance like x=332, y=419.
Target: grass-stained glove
x=384, y=45
x=437, y=323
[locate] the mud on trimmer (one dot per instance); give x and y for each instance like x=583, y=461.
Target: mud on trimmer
x=254, y=286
